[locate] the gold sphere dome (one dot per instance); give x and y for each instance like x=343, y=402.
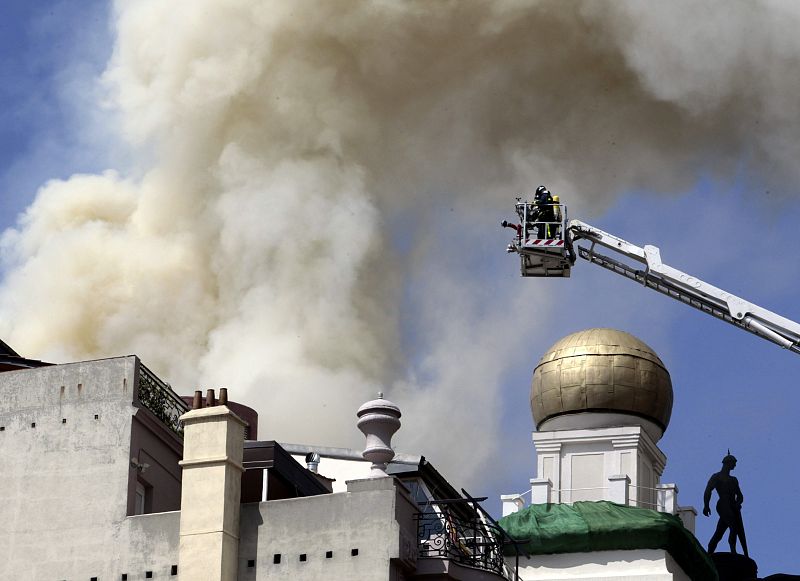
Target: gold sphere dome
x=608, y=372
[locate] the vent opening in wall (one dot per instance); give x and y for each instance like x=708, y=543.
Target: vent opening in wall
x=353, y=552
x=251, y=563
x=173, y=570
x=303, y=557
x=276, y=558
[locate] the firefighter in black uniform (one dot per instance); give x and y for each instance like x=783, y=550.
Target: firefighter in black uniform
x=544, y=213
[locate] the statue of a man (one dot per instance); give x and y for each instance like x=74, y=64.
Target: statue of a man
x=729, y=506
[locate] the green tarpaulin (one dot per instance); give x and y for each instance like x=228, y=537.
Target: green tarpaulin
x=606, y=526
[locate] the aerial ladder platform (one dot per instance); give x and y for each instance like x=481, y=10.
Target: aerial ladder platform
x=542, y=245
x=553, y=254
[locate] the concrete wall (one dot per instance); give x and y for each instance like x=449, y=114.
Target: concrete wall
x=148, y=542
x=374, y=520
x=65, y=434
x=160, y=450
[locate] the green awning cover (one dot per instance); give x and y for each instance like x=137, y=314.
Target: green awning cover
x=605, y=526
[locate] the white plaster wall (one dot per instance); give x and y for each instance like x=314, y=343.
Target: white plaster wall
x=586, y=458
x=588, y=476
x=645, y=495
x=639, y=565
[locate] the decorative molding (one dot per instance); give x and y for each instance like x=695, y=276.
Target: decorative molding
x=195, y=462
x=547, y=447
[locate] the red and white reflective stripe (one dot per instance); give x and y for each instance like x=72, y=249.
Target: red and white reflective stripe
x=547, y=242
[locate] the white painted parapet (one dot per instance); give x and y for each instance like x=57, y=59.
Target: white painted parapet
x=511, y=503
x=688, y=515
x=618, y=488
x=211, y=494
x=540, y=490
x=668, y=502
x=667, y=498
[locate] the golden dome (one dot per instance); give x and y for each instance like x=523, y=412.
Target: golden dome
x=601, y=370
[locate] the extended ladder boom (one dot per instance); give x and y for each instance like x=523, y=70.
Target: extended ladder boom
x=684, y=287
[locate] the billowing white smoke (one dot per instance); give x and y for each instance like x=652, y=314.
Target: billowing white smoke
x=327, y=177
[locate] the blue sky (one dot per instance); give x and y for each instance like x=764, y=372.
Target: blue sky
x=732, y=390
x=41, y=45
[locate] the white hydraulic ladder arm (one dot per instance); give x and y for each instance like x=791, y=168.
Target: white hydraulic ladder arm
x=684, y=287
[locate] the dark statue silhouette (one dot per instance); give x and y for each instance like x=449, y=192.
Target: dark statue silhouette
x=729, y=506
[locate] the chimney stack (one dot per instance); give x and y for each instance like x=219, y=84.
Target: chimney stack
x=211, y=493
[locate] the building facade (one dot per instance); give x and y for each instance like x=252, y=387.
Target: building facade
x=108, y=475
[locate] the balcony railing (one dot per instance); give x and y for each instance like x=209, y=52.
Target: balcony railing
x=158, y=397
x=454, y=530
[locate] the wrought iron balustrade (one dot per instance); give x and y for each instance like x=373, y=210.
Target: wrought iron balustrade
x=454, y=530
x=158, y=397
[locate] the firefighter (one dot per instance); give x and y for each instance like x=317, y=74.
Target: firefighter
x=545, y=213
x=558, y=215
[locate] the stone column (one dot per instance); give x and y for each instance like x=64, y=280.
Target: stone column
x=213, y=440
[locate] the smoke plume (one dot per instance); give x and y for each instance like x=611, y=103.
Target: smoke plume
x=316, y=219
